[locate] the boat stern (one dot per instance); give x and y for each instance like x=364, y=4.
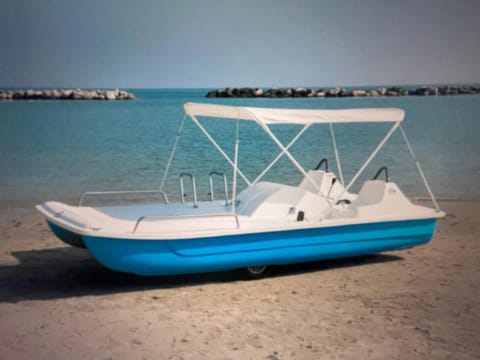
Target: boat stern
x=54, y=216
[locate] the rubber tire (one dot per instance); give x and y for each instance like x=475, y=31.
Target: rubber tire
x=257, y=272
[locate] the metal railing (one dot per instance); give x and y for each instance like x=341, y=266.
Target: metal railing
x=194, y=188
x=212, y=196
x=162, y=217
x=323, y=161
x=117, y=192
x=382, y=169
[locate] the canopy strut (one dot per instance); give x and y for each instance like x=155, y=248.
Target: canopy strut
x=425, y=182
x=220, y=150
x=370, y=158
x=337, y=158
x=235, y=168
x=172, y=153
x=293, y=141
x=292, y=159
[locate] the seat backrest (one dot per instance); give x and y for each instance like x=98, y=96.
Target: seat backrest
x=319, y=177
x=372, y=192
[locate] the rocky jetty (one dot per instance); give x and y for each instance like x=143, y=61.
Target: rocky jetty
x=342, y=92
x=65, y=94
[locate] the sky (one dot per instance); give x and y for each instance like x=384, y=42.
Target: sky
x=219, y=43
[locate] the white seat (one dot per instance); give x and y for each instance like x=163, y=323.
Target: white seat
x=372, y=192
x=319, y=177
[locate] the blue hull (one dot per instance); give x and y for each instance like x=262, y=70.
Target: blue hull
x=66, y=236
x=166, y=257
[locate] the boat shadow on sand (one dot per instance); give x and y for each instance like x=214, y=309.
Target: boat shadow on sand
x=69, y=272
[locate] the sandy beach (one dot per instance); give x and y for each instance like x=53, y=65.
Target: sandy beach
x=56, y=302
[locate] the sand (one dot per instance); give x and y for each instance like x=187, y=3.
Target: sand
x=421, y=303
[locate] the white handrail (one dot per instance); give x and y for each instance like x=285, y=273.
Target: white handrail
x=225, y=184
x=89, y=193
x=142, y=218
x=194, y=188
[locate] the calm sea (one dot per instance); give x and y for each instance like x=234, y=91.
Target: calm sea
x=59, y=149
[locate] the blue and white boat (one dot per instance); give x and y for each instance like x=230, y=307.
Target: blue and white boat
x=264, y=224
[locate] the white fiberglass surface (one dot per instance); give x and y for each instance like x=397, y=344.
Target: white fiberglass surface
x=133, y=212
x=378, y=201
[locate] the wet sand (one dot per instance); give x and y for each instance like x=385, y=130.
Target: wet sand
x=421, y=303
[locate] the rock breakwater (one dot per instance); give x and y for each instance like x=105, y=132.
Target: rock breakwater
x=65, y=94
x=343, y=92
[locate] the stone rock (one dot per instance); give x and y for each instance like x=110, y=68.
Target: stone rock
x=18, y=94
x=77, y=95
x=46, y=94
x=466, y=91
x=299, y=92
x=65, y=94
x=359, y=93
x=345, y=93
x=333, y=92
x=282, y=92
x=296, y=92
x=110, y=95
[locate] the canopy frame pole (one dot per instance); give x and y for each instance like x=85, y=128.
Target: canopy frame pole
x=419, y=168
x=291, y=143
x=370, y=158
x=290, y=156
x=235, y=167
x=172, y=153
x=220, y=150
x=335, y=149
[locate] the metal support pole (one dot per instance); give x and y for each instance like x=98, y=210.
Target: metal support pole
x=293, y=141
x=370, y=158
x=172, y=153
x=332, y=134
x=286, y=152
x=212, y=140
x=417, y=163
x=235, y=169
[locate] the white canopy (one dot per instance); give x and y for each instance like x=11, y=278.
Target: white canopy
x=295, y=116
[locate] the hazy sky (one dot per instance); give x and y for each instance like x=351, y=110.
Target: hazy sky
x=215, y=43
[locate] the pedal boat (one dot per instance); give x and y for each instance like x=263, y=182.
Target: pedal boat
x=266, y=223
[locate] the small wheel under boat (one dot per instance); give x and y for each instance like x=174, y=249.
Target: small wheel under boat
x=257, y=272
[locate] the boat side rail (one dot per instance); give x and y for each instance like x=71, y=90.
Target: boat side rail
x=210, y=180
x=194, y=188
x=191, y=216
x=118, y=192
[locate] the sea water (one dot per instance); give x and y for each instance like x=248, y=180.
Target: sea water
x=59, y=149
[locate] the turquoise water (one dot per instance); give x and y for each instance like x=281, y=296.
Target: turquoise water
x=59, y=149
